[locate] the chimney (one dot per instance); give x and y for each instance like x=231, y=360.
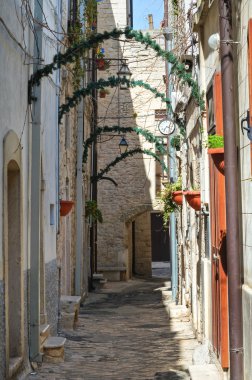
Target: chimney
x=150, y=19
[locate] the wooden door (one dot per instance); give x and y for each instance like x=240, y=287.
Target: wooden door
x=159, y=239
x=218, y=242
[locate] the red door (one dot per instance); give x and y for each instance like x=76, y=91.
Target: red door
x=218, y=239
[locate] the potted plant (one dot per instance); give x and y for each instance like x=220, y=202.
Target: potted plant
x=170, y=197
x=103, y=93
x=92, y=211
x=101, y=62
x=193, y=199
x=175, y=142
x=215, y=146
x=65, y=207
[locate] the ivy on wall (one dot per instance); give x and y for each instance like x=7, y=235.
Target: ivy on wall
x=102, y=84
x=77, y=50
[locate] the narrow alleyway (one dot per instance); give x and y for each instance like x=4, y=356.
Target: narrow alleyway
x=124, y=333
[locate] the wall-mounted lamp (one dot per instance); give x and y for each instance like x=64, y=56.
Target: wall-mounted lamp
x=248, y=128
x=123, y=145
x=124, y=73
x=214, y=41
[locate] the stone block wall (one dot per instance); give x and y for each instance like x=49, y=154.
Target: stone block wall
x=135, y=176
x=143, y=245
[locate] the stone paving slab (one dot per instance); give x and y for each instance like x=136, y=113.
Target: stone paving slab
x=124, y=333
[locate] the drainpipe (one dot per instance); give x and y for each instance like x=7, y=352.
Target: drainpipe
x=79, y=204
x=172, y=173
x=34, y=322
x=232, y=196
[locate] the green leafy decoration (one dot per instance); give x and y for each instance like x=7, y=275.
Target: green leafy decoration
x=77, y=49
x=92, y=210
x=125, y=155
x=117, y=129
x=102, y=84
x=166, y=198
x=175, y=142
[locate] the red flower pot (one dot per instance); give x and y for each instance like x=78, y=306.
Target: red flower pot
x=193, y=199
x=217, y=155
x=100, y=63
x=65, y=207
x=177, y=197
x=102, y=94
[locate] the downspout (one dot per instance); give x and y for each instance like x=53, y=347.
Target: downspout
x=172, y=172
x=79, y=203
x=79, y=259
x=34, y=284
x=231, y=183
x=93, y=230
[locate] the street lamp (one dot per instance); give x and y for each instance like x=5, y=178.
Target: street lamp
x=124, y=73
x=123, y=145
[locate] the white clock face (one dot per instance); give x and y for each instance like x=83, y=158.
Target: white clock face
x=166, y=127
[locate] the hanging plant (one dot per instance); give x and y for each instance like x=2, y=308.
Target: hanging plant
x=92, y=211
x=175, y=142
x=167, y=199
x=103, y=93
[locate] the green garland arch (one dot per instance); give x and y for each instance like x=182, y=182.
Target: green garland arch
x=77, y=49
x=117, y=129
x=110, y=82
x=122, y=157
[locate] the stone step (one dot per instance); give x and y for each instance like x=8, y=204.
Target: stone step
x=53, y=349
x=205, y=371
x=69, y=311
x=44, y=332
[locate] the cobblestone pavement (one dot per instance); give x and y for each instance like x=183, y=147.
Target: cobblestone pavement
x=124, y=333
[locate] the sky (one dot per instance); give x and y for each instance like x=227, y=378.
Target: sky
x=141, y=9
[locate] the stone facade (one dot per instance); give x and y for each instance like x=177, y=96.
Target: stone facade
x=126, y=107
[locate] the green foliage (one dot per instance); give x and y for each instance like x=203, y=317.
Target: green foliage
x=125, y=155
x=91, y=13
x=175, y=142
x=166, y=198
x=91, y=210
x=215, y=141
x=77, y=49
x=117, y=129
x=175, y=7
x=103, y=83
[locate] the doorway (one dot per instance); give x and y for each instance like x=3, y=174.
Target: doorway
x=160, y=246
x=13, y=268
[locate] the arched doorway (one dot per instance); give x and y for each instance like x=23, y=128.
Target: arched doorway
x=13, y=258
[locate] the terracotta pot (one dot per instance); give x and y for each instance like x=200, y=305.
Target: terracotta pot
x=102, y=94
x=65, y=207
x=193, y=199
x=217, y=155
x=177, y=197
x=100, y=63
